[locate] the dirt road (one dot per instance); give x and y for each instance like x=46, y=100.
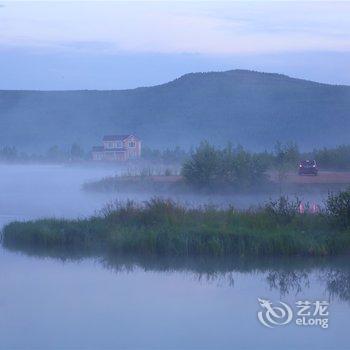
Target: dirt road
x=323, y=177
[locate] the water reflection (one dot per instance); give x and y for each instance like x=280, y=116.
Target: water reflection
x=287, y=281
x=285, y=275
x=337, y=282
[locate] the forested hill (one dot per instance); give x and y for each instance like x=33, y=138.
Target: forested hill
x=251, y=108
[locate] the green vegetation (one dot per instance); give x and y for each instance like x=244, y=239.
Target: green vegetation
x=175, y=155
x=163, y=227
x=210, y=167
x=207, y=168
x=285, y=158
x=54, y=154
x=337, y=158
x=338, y=208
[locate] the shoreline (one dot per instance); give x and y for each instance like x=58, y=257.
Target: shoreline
x=176, y=184
x=163, y=227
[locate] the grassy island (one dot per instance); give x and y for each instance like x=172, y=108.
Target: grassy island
x=164, y=227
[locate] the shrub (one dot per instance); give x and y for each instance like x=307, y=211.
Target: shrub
x=283, y=210
x=333, y=158
x=338, y=208
x=210, y=167
x=203, y=167
x=286, y=155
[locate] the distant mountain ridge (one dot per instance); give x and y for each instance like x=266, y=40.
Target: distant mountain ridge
x=238, y=106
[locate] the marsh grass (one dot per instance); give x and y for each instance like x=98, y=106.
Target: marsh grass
x=164, y=227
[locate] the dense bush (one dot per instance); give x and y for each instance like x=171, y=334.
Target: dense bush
x=212, y=167
x=333, y=158
x=338, y=208
x=283, y=158
x=286, y=155
x=283, y=210
x=168, y=155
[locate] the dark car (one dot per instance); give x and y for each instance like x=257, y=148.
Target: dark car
x=308, y=167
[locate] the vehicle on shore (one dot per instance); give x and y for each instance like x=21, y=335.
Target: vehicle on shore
x=308, y=167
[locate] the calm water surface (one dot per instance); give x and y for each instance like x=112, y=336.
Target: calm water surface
x=130, y=303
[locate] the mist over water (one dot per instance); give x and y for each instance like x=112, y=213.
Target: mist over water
x=132, y=302
x=37, y=191
x=34, y=191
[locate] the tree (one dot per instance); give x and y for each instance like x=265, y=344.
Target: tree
x=55, y=154
x=286, y=158
x=76, y=152
x=202, y=168
x=8, y=153
x=210, y=167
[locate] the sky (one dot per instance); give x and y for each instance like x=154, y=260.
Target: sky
x=68, y=45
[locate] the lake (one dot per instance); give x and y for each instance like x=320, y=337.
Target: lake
x=129, y=302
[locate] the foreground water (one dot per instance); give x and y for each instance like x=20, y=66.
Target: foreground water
x=149, y=303
x=52, y=304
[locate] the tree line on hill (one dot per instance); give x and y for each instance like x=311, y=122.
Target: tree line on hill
x=266, y=107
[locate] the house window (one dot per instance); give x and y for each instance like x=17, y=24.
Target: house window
x=132, y=144
x=119, y=144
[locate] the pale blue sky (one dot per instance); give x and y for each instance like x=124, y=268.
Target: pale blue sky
x=113, y=45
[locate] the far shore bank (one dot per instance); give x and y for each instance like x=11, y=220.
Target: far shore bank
x=325, y=181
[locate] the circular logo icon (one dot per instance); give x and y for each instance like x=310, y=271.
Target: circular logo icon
x=272, y=316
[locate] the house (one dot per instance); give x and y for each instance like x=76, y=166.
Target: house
x=117, y=148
